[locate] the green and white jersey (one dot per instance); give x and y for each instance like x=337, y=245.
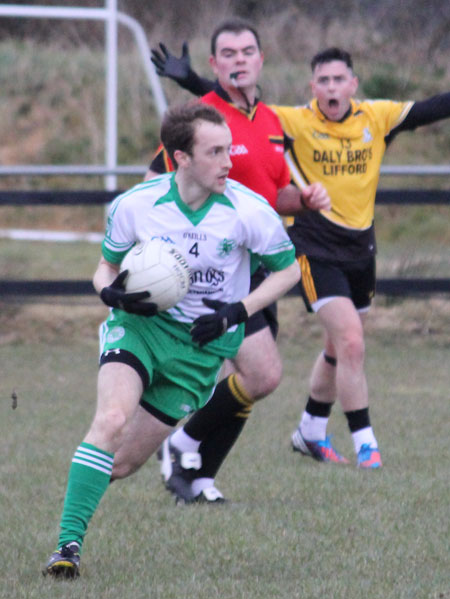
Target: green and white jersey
x=217, y=240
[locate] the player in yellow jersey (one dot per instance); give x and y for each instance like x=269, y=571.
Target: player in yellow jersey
x=340, y=142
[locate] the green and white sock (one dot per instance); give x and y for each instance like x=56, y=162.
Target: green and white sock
x=89, y=477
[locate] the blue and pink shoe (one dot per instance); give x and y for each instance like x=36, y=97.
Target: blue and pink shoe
x=369, y=457
x=321, y=451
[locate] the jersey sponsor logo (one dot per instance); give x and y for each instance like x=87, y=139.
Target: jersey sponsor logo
x=164, y=238
x=343, y=162
x=225, y=247
x=205, y=292
x=212, y=276
x=238, y=150
x=344, y=169
x=320, y=135
x=327, y=156
x=196, y=236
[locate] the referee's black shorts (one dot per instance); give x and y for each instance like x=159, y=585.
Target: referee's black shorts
x=266, y=317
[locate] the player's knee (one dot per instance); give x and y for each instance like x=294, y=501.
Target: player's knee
x=110, y=423
x=262, y=383
x=352, y=348
x=273, y=378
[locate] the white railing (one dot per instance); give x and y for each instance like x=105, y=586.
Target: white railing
x=72, y=170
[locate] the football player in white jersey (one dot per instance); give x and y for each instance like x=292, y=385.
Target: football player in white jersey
x=258, y=162
x=157, y=366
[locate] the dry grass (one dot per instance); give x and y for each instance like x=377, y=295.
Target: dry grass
x=429, y=318
x=57, y=319
x=52, y=321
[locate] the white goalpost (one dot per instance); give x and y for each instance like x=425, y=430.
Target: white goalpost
x=110, y=169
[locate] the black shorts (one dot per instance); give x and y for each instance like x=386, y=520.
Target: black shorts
x=266, y=317
x=324, y=278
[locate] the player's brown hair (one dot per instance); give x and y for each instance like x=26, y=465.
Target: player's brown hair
x=178, y=126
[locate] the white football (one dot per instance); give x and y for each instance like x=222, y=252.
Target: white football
x=160, y=268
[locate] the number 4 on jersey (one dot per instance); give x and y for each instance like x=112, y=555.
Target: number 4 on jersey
x=194, y=250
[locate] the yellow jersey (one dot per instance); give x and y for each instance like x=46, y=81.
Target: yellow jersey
x=344, y=156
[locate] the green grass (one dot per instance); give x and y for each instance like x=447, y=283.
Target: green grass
x=294, y=528
x=25, y=260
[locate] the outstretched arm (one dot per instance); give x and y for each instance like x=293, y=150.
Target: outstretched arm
x=180, y=70
x=425, y=112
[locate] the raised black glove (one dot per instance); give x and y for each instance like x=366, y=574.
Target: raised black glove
x=115, y=296
x=211, y=326
x=179, y=69
x=168, y=65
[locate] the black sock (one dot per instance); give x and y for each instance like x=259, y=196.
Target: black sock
x=215, y=448
x=229, y=399
x=358, y=419
x=318, y=408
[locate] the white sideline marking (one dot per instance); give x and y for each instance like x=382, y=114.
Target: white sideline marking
x=40, y=235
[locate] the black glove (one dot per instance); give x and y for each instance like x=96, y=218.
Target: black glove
x=116, y=297
x=179, y=69
x=211, y=326
x=168, y=65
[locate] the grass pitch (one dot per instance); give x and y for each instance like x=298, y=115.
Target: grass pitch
x=294, y=528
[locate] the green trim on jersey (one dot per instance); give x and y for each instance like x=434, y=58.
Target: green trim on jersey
x=280, y=260
x=113, y=257
x=116, y=256
x=231, y=225
x=194, y=216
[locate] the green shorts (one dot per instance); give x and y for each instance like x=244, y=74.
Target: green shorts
x=178, y=377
